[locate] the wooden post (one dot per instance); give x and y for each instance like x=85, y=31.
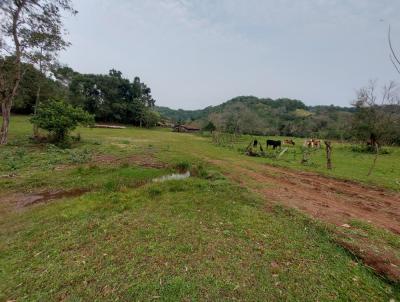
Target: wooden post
x=376, y=146
x=328, y=149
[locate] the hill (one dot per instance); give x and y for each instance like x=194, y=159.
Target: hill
x=265, y=116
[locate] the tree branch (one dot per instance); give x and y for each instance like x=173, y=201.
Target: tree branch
x=393, y=57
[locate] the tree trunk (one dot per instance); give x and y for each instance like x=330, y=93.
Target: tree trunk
x=5, y=113
x=328, y=154
x=6, y=103
x=375, y=158
x=35, y=127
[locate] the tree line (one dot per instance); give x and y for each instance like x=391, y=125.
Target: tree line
x=31, y=37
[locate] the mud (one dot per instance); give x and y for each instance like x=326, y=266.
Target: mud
x=22, y=200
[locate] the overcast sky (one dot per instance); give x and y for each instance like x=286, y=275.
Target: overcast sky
x=195, y=53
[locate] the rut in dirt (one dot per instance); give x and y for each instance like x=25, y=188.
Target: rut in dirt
x=328, y=199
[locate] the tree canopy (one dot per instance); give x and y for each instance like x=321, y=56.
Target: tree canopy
x=112, y=98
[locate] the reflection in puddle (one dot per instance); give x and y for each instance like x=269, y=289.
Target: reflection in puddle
x=172, y=177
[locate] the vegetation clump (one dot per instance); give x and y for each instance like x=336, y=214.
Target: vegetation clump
x=59, y=119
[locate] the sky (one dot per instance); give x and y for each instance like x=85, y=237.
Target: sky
x=197, y=53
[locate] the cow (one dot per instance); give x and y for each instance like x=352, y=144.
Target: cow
x=274, y=144
x=289, y=142
x=311, y=143
x=317, y=143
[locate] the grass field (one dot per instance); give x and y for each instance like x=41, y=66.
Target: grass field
x=204, y=238
x=347, y=164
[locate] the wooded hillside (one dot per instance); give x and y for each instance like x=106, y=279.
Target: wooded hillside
x=252, y=115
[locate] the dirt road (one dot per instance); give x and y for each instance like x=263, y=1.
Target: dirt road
x=333, y=201
x=328, y=199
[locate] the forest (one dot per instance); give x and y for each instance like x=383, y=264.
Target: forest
x=265, y=116
x=109, y=97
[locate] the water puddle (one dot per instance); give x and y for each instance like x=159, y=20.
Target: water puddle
x=174, y=176
x=30, y=199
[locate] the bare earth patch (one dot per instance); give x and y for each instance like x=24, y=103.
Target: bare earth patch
x=21, y=200
x=148, y=160
x=330, y=200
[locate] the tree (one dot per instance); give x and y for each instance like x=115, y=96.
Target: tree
x=210, y=127
x=151, y=118
x=377, y=116
x=60, y=118
x=31, y=31
x=26, y=98
x=111, y=98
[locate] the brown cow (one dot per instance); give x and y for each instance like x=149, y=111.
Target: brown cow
x=289, y=142
x=311, y=143
x=317, y=143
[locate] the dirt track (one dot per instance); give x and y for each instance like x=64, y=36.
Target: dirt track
x=328, y=199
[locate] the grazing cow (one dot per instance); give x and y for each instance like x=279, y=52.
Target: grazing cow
x=308, y=143
x=274, y=144
x=317, y=143
x=289, y=142
x=311, y=143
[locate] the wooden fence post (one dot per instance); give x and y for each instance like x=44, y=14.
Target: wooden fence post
x=328, y=148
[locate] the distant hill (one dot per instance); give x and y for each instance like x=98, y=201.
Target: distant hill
x=252, y=115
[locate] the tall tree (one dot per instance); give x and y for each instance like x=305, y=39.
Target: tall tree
x=112, y=98
x=31, y=30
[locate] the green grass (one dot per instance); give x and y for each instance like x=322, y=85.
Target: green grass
x=203, y=238
x=347, y=164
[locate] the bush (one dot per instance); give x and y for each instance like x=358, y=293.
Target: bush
x=182, y=166
x=59, y=119
x=210, y=127
x=368, y=149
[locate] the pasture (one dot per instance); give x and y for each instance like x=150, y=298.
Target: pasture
x=88, y=223
x=348, y=163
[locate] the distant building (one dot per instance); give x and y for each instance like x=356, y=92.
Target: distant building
x=185, y=128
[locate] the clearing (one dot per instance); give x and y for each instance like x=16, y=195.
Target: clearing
x=239, y=229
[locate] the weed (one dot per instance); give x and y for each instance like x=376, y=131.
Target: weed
x=154, y=191
x=79, y=156
x=182, y=166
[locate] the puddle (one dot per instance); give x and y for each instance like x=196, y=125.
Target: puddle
x=44, y=197
x=175, y=176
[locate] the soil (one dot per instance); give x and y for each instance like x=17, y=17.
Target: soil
x=147, y=161
x=383, y=261
x=330, y=200
x=21, y=200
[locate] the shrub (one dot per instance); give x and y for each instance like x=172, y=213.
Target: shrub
x=368, y=149
x=60, y=118
x=210, y=127
x=182, y=166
